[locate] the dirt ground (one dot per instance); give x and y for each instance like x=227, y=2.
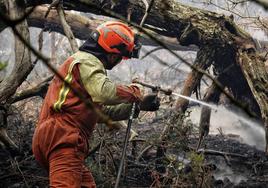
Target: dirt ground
x=156, y=158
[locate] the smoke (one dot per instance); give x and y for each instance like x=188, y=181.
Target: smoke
x=234, y=122
x=224, y=171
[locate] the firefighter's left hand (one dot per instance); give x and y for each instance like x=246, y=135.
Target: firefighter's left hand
x=150, y=102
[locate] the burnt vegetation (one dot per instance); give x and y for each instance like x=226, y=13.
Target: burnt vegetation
x=170, y=150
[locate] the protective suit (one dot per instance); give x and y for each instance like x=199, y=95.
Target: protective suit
x=60, y=141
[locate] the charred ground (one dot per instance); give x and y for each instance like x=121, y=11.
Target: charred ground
x=163, y=155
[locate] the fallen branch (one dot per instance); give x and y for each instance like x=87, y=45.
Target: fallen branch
x=55, y=3
x=144, y=151
x=21, y=173
x=221, y=153
x=38, y=90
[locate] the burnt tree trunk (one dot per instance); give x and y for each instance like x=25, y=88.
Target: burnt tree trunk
x=203, y=61
x=212, y=95
x=253, y=68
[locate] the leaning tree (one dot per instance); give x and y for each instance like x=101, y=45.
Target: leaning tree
x=239, y=69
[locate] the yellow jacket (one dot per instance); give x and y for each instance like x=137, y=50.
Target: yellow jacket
x=115, y=98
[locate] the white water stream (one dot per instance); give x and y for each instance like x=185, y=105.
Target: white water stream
x=236, y=124
x=195, y=100
x=230, y=122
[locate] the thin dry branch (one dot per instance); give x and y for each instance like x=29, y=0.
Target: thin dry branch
x=21, y=173
x=214, y=152
x=67, y=29
x=55, y=3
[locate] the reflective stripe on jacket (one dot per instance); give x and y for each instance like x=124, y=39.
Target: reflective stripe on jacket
x=64, y=116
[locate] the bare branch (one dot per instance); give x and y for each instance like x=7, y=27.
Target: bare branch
x=67, y=30
x=221, y=153
x=55, y=3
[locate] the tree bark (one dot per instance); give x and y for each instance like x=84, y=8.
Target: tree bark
x=39, y=90
x=82, y=26
x=253, y=68
x=23, y=64
x=21, y=69
x=66, y=28
x=212, y=95
x=203, y=61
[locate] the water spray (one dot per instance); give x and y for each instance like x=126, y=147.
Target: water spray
x=211, y=106
x=170, y=92
x=195, y=100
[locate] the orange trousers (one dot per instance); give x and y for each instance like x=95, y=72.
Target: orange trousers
x=67, y=169
x=61, y=150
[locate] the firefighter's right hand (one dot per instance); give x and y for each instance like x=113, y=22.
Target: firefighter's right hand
x=150, y=102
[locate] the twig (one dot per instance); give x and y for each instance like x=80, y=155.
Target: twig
x=138, y=140
x=55, y=3
x=112, y=158
x=129, y=12
x=66, y=28
x=220, y=131
x=17, y=165
x=151, y=51
x=95, y=149
x=143, y=151
x=148, y=8
x=227, y=160
x=214, y=152
x=200, y=141
x=40, y=40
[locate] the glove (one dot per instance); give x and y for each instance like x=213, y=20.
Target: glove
x=150, y=103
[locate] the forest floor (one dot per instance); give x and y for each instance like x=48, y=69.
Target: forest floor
x=163, y=155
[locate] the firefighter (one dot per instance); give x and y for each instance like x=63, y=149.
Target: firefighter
x=60, y=141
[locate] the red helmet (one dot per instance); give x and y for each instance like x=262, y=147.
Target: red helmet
x=116, y=37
